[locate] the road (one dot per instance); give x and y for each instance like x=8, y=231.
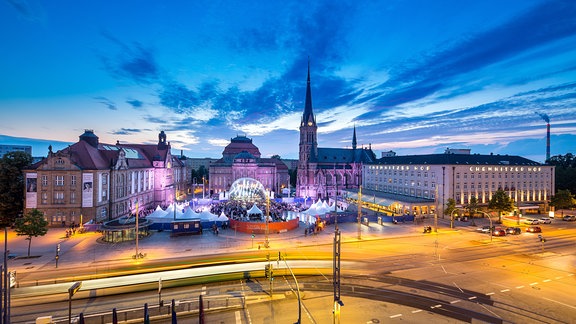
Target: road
x=513, y=278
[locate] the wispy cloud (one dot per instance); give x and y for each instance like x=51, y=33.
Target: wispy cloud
x=106, y=102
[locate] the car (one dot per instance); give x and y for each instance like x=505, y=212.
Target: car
x=545, y=220
x=514, y=230
x=569, y=218
x=533, y=229
x=499, y=232
x=530, y=221
x=483, y=229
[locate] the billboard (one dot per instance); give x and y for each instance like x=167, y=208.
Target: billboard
x=87, y=189
x=31, y=190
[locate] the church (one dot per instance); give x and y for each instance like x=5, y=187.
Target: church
x=326, y=172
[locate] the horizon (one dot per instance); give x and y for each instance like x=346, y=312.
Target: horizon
x=413, y=77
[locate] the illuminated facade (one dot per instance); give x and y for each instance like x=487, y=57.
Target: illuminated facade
x=101, y=181
x=437, y=177
x=326, y=172
x=242, y=159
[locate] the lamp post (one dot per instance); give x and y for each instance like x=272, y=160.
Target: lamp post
x=203, y=188
x=193, y=191
x=452, y=218
x=297, y=290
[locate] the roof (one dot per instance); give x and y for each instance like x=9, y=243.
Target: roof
x=464, y=159
x=342, y=155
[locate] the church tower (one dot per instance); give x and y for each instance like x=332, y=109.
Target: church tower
x=308, y=145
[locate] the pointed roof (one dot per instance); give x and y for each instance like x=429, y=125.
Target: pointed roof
x=354, y=138
x=308, y=113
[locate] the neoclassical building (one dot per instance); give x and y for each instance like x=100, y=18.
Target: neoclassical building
x=242, y=159
x=95, y=181
x=326, y=172
x=421, y=184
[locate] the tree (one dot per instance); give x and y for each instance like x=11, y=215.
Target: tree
x=12, y=185
x=276, y=156
x=501, y=203
x=32, y=224
x=565, y=171
x=562, y=199
x=450, y=206
x=472, y=207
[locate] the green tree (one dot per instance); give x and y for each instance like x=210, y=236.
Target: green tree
x=565, y=172
x=563, y=199
x=472, y=207
x=450, y=206
x=12, y=185
x=500, y=202
x=32, y=224
x=276, y=156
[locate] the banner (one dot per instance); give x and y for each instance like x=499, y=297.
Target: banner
x=31, y=190
x=87, y=189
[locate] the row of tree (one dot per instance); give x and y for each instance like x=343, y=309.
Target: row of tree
x=502, y=203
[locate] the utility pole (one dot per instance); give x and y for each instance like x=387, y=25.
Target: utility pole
x=360, y=213
x=336, y=276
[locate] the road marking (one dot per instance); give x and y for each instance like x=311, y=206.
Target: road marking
x=455, y=301
x=416, y=311
x=534, y=283
x=504, y=290
x=473, y=297
x=394, y=316
x=238, y=318
x=436, y=306
x=546, y=280
x=558, y=278
x=490, y=293
x=552, y=300
x=519, y=287
x=570, y=275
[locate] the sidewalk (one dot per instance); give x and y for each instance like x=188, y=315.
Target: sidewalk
x=85, y=249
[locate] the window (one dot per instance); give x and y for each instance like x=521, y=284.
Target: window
x=59, y=181
x=58, y=197
x=44, y=180
x=72, y=197
x=72, y=180
x=44, y=197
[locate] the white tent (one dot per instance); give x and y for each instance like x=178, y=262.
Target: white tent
x=254, y=210
x=222, y=218
x=189, y=214
x=206, y=215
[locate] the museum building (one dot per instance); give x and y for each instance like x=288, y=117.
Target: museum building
x=242, y=159
x=93, y=181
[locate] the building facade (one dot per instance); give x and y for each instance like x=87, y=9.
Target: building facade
x=242, y=159
x=421, y=184
x=326, y=172
x=90, y=180
x=12, y=148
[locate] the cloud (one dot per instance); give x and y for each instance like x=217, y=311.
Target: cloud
x=136, y=104
x=25, y=9
x=135, y=62
x=129, y=131
x=106, y=102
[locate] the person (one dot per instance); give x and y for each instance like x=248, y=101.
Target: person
x=87, y=186
x=31, y=185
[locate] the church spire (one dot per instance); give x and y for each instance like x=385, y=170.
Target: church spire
x=354, y=138
x=308, y=117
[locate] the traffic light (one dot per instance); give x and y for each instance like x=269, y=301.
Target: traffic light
x=267, y=271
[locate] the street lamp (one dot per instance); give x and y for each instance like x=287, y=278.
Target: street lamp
x=490, y=220
x=203, y=188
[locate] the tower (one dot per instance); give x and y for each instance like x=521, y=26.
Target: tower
x=308, y=147
x=354, y=138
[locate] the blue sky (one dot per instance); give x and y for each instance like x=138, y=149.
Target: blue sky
x=414, y=77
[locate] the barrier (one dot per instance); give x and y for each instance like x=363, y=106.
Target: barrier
x=260, y=227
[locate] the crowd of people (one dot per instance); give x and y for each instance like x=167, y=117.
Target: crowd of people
x=238, y=210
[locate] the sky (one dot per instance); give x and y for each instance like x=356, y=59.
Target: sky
x=413, y=77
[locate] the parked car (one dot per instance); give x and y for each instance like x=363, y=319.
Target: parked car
x=569, y=218
x=530, y=221
x=545, y=220
x=533, y=229
x=483, y=229
x=514, y=230
x=499, y=232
